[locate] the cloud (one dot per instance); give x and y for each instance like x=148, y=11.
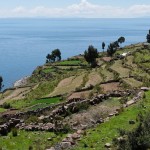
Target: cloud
x=83, y=9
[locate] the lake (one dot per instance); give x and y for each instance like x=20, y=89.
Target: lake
x=24, y=43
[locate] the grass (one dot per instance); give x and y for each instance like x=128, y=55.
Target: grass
x=106, y=74
x=2, y=110
x=117, y=66
x=38, y=140
x=34, y=104
x=132, y=82
x=142, y=56
x=104, y=133
x=48, y=70
x=69, y=62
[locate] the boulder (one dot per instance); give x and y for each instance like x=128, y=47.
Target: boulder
x=65, y=145
x=76, y=136
x=107, y=145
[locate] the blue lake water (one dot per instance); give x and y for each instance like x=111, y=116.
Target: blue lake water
x=24, y=43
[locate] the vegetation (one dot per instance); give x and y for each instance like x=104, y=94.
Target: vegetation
x=148, y=37
x=1, y=81
x=121, y=40
x=90, y=55
x=112, y=48
x=55, y=55
x=71, y=80
x=103, y=46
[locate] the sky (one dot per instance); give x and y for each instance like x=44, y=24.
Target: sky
x=75, y=8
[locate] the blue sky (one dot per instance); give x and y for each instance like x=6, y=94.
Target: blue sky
x=75, y=8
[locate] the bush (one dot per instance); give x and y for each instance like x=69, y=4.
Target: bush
x=6, y=105
x=14, y=132
x=30, y=147
x=138, y=139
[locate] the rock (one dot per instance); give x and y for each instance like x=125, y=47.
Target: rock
x=100, y=121
x=120, y=139
x=76, y=136
x=145, y=88
x=52, y=148
x=111, y=115
x=107, y=145
x=49, y=139
x=93, y=121
x=131, y=122
x=65, y=145
x=84, y=126
x=41, y=117
x=80, y=132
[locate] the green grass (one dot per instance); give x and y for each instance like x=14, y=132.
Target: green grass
x=132, y=82
x=2, y=110
x=142, y=56
x=48, y=70
x=19, y=104
x=104, y=133
x=38, y=140
x=69, y=62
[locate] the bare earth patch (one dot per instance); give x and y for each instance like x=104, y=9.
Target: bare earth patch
x=111, y=86
x=91, y=115
x=67, y=85
x=18, y=93
x=83, y=94
x=94, y=78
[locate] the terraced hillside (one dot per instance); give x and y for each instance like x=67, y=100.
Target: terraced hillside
x=68, y=100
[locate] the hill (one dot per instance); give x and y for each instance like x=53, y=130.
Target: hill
x=69, y=104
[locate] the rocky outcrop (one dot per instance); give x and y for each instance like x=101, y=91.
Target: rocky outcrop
x=6, y=127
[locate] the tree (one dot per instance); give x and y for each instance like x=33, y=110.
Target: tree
x=148, y=37
x=90, y=55
x=57, y=54
x=103, y=46
x=1, y=82
x=112, y=48
x=121, y=40
x=54, y=54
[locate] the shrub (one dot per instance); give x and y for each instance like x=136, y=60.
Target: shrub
x=14, y=132
x=6, y=105
x=30, y=147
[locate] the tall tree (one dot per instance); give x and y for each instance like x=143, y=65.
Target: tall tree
x=111, y=49
x=57, y=54
x=148, y=37
x=103, y=46
x=1, y=82
x=121, y=40
x=90, y=55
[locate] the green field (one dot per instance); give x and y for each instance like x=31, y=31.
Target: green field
x=69, y=62
x=34, y=103
x=38, y=140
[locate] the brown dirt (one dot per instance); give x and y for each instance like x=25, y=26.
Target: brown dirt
x=68, y=85
x=83, y=94
x=107, y=59
x=110, y=86
x=94, y=78
x=18, y=93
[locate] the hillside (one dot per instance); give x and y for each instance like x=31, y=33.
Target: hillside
x=68, y=104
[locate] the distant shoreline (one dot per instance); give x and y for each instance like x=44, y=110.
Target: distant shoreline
x=21, y=82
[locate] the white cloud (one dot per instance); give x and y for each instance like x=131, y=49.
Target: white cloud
x=82, y=9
